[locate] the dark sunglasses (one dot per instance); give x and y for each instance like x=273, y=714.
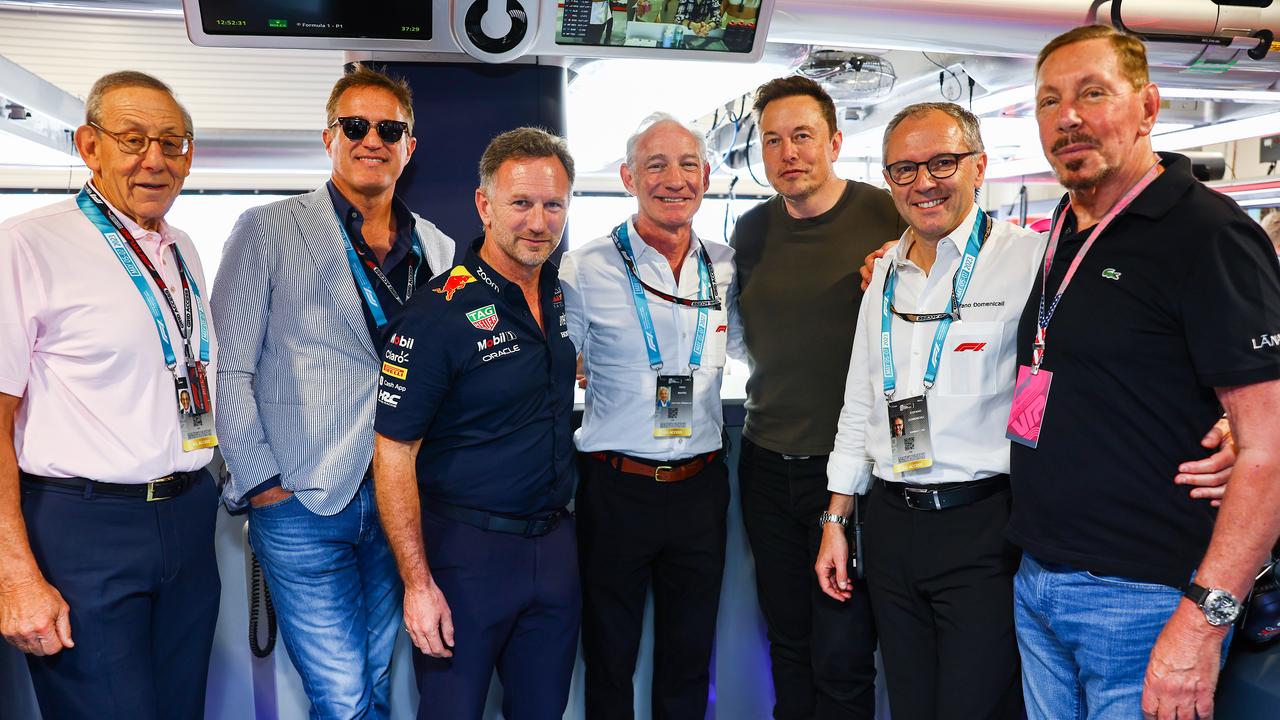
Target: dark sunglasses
x=356, y=128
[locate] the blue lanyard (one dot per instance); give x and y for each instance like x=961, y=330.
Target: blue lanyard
x=366, y=287
x=109, y=226
x=623, y=243
x=959, y=284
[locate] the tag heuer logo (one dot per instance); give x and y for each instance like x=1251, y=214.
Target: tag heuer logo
x=485, y=318
x=1111, y=274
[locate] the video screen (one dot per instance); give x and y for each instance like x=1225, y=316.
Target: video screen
x=393, y=20
x=715, y=25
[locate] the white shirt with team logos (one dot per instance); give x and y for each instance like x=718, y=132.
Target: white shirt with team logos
x=621, y=387
x=969, y=402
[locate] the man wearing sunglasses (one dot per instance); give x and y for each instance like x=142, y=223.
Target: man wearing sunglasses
x=108, y=580
x=305, y=293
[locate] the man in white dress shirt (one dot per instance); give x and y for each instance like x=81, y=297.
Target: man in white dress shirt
x=654, y=487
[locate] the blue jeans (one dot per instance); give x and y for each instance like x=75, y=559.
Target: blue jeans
x=338, y=596
x=1086, y=640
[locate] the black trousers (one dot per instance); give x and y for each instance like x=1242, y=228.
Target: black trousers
x=822, y=650
x=633, y=531
x=942, y=588
x=142, y=583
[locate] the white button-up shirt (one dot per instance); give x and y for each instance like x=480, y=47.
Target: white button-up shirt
x=78, y=344
x=969, y=402
x=621, y=387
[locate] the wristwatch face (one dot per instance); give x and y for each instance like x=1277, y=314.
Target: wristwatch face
x=1220, y=608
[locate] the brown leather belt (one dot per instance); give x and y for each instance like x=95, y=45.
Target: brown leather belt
x=663, y=473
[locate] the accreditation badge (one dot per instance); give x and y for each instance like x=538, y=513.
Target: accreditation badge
x=197, y=432
x=1030, y=400
x=673, y=406
x=909, y=440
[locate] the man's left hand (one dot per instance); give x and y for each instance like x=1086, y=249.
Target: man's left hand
x=1209, y=476
x=1183, y=671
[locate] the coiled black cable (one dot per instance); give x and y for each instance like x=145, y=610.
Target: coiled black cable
x=260, y=599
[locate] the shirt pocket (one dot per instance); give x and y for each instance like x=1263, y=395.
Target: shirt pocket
x=970, y=364
x=713, y=354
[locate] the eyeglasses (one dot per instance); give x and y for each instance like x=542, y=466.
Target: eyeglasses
x=133, y=143
x=940, y=166
x=356, y=128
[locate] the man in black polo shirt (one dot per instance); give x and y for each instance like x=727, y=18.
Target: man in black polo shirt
x=475, y=402
x=1126, y=352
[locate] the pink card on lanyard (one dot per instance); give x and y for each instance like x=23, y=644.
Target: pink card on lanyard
x=1030, y=399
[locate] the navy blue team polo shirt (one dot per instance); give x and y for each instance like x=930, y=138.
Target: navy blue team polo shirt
x=468, y=370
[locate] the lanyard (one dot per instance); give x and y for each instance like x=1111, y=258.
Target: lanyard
x=959, y=285
x=362, y=278
x=126, y=250
x=1043, y=317
x=706, y=287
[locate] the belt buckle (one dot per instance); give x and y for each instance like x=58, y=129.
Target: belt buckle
x=658, y=471
x=151, y=488
x=910, y=494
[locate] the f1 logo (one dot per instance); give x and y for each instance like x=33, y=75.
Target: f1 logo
x=974, y=346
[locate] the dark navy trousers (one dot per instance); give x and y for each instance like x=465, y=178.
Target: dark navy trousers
x=142, y=583
x=516, y=605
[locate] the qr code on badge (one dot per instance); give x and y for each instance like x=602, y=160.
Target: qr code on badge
x=673, y=413
x=909, y=444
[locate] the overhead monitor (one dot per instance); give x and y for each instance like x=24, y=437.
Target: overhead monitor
x=701, y=26
x=492, y=30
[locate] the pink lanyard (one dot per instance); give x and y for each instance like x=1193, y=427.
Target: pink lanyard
x=1043, y=318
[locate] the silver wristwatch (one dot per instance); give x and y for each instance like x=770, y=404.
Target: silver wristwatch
x=827, y=517
x=1219, y=606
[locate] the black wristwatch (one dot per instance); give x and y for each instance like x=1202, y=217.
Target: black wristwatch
x=1219, y=606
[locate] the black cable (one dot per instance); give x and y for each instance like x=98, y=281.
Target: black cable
x=747, y=154
x=941, y=83
x=971, y=84
x=1023, y=203
x=732, y=183
x=260, y=597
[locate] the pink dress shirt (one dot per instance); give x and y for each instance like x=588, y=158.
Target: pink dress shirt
x=78, y=344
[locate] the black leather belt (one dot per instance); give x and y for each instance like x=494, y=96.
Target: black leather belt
x=528, y=527
x=948, y=495
x=165, y=488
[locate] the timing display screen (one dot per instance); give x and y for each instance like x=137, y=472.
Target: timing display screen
x=714, y=25
x=391, y=20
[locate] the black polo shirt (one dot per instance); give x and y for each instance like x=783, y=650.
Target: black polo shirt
x=396, y=266
x=468, y=370
x=1181, y=294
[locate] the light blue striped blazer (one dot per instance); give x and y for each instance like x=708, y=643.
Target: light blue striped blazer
x=297, y=371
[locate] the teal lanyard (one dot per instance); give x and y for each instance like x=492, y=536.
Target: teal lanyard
x=366, y=287
x=959, y=285
x=706, y=291
x=112, y=230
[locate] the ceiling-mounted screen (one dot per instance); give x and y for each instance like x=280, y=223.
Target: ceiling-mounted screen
x=727, y=26
x=395, y=24
x=394, y=19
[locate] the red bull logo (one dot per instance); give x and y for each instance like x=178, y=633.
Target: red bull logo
x=458, y=278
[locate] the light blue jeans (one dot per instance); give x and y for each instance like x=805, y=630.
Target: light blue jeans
x=338, y=600
x=1086, y=640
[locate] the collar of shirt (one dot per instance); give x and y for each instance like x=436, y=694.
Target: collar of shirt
x=956, y=240
x=153, y=242
x=508, y=289
x=642, y=251
x=353, y=221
